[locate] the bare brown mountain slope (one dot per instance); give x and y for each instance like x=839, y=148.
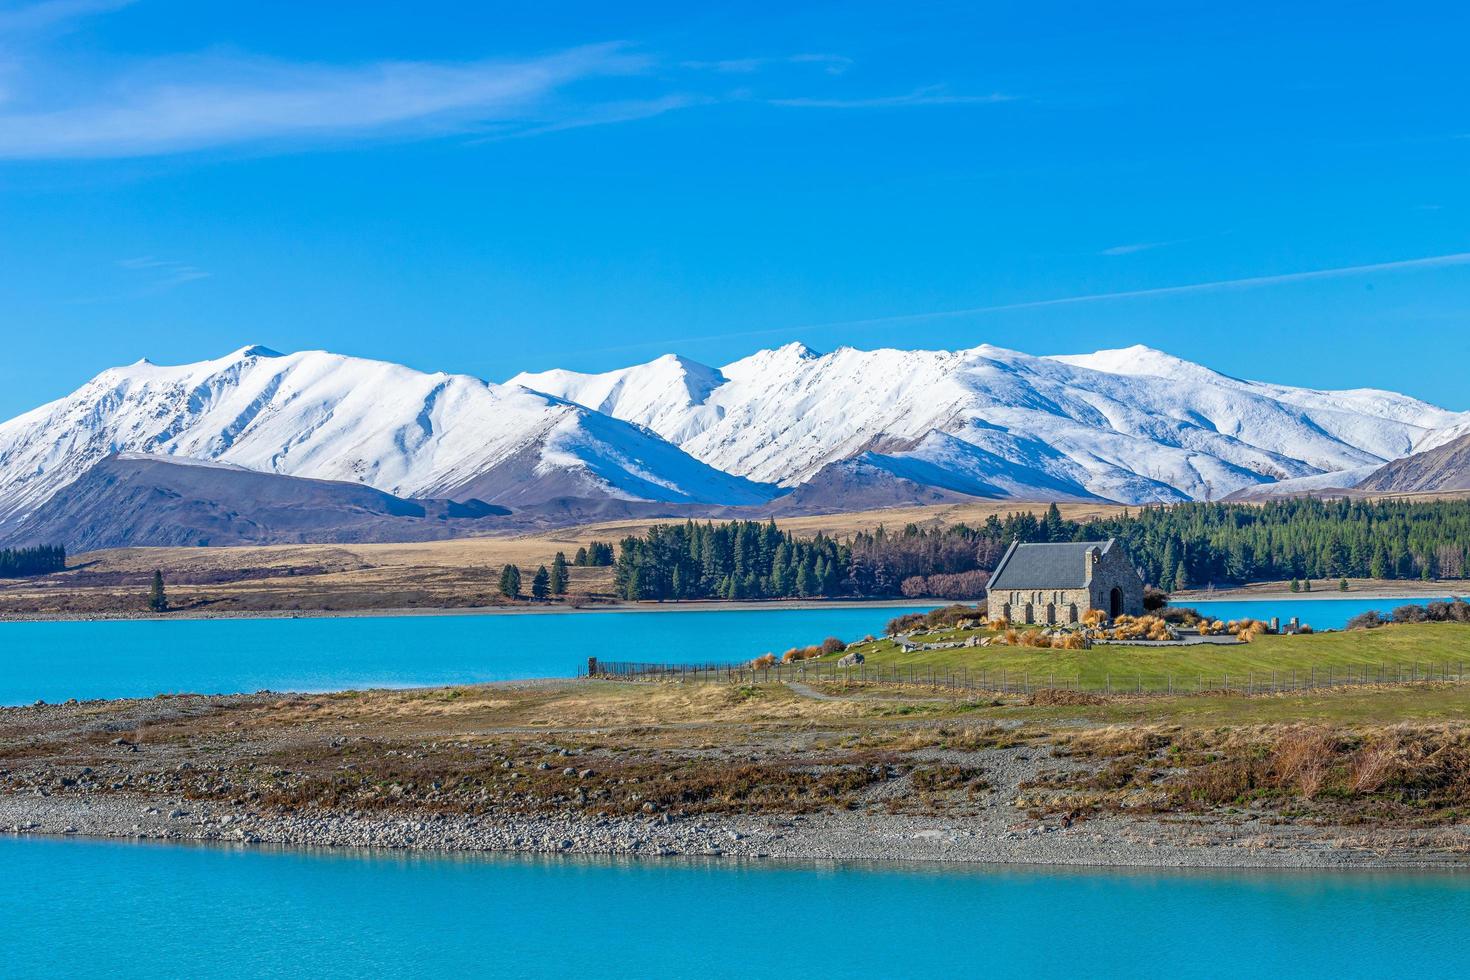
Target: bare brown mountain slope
x=1442, y=469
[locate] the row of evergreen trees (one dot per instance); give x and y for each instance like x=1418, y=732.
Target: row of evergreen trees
x=738, y=560
x=1182, y=546
x=41, y=560
x=599, y=554
x=1192, y=545
x=544, y=583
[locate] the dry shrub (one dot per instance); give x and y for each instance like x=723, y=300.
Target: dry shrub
x=764, y=660
x=833, y=645
x=1116, y=740
x=1036, y=638
x=1072, y=641
x=1305, y=628
x=1302, y=757
x=1374, y=766
x=800, y=653
x=1012, y=637
x=1000, y=624
x=1093, y=618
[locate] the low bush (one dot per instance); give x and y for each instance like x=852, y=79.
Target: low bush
x=1372, y=619
x=945, y=617
x=833, y=645
x=801, y=653
x=1410, y=614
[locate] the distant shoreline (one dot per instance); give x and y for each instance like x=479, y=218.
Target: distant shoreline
x=1384, y=592
x=772, y=605
x=1396, y=593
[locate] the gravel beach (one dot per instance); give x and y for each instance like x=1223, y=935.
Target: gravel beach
x=133, y=785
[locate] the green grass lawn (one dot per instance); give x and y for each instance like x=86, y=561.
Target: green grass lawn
x=1396, y=650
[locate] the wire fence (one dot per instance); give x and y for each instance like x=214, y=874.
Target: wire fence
x=1030, y=682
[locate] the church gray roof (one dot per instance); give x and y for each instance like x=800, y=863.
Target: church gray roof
x=1045, y=566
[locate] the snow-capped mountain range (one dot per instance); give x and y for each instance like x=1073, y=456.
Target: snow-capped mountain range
x=330, y=417
x=1132, y=425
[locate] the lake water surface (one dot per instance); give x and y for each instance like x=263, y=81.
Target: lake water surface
x=1321, y=614
x=73, y=908
x=53, y=661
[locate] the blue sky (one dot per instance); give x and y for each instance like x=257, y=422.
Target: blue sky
x=495, y=188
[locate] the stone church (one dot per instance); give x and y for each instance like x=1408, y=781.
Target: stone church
x=1059, y=583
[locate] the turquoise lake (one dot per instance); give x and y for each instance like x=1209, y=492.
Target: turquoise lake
x=72, y=908
x=1322, y=614
x=53, y=661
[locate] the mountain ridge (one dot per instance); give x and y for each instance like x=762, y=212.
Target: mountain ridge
x=780, y=431
x=1133, y=424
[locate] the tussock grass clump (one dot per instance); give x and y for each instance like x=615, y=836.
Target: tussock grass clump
x=1117, y=740
x=1141, y=628
x=802, y=653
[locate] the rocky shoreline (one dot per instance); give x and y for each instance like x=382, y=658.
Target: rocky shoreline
x=998, y=831
x=709, y=771
x=1109, y=842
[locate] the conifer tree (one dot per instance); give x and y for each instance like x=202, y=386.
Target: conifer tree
x=559, y=574
x=1295, y=585
x=157, y=598
x=581, y=560
x=541, y=583
x=510, y=581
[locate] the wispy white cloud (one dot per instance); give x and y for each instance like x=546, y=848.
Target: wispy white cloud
x=1249, y=282
x=605, y=114
x=932, y=95
x=833, y=64
x=1135, y=247
x=165, y=273
x=59, y=104
x=51, y=14
x=179, y=104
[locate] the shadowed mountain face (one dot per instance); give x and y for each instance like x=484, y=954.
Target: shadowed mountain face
x=141, y=501
x=1437, y=470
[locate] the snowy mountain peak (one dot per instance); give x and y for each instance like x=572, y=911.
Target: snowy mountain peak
x=327, y=416
x=1140, y=360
